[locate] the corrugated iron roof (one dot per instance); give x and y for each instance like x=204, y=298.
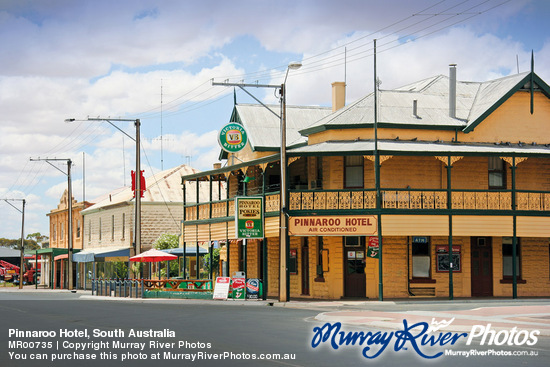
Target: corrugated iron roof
x=473, y=99
x=264, y=128
x=165, y=186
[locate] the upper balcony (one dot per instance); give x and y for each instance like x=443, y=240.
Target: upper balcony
x=393, y=200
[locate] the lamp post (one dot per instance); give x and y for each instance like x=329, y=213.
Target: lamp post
x=137, y=191
x=284, y=279
x=70, y=215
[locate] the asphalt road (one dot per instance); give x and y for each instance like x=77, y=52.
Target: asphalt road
x=197, y=329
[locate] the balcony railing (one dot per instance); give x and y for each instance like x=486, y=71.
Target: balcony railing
x=408, y=199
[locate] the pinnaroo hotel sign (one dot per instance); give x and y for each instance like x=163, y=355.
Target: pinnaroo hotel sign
x=329, y=225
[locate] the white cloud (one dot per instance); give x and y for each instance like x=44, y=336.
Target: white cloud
x=65, y=58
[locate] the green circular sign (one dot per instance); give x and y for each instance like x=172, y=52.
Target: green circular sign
x=232, y=137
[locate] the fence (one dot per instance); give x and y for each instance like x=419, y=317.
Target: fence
x=129, y=288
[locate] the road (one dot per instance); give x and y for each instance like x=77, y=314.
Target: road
x=234, y=333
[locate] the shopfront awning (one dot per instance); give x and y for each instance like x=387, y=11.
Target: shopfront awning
x=190, y=250
x=61, y=257
x=91, y=254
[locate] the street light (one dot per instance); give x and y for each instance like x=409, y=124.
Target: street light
x=70, y=216
x=22, y=264
x=284, y=279
x=137, y=191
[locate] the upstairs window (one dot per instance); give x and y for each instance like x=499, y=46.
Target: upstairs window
x=353, y=172
x=497, y=173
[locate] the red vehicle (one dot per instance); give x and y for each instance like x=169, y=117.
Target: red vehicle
x=7, y=270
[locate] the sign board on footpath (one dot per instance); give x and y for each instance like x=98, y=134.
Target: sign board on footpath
x=221, y=290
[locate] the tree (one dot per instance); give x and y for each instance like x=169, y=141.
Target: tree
x=16, y=244
x=168, y=241
x=215, y=261
x=41, y=240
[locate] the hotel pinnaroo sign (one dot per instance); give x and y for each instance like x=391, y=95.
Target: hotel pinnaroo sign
x=333, y=225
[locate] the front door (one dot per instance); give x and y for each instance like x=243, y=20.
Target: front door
x=354, y=267
x=482, y=267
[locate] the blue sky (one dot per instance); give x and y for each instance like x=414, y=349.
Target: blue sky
x=73, y=59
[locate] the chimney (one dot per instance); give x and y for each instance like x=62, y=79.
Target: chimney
x=452, y=90
x=415, y=108
x=338, y=95
x=217, y=165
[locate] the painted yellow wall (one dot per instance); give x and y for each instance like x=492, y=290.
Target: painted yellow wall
x=534, y=269
x=511, y=122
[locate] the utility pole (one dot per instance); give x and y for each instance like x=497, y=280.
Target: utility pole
x=284, y=251
x=137, y=192
x=70, y=212
x=22, y=264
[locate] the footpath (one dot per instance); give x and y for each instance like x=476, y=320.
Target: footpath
x=502, y=314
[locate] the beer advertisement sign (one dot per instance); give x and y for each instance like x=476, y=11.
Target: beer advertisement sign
x=232, y=137
x=249, y=218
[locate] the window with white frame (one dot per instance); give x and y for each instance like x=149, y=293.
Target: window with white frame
x=508, y=258
x=353, y=172
x=421, y=258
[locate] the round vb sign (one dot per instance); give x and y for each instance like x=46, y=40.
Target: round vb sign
x=232, y=137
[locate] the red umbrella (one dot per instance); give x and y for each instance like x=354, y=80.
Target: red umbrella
x=153, y=255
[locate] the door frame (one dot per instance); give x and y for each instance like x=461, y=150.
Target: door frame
x=475, y=244
x=362, y=247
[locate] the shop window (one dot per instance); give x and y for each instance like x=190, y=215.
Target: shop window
x=497, y=173
x=508, y=258
x=421, y=259
x=353, y=172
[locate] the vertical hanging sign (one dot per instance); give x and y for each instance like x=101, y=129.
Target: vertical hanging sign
x=249, y=217
x=373, y=250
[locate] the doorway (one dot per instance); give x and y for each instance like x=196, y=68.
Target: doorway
x=354, y=267
x=482, y=267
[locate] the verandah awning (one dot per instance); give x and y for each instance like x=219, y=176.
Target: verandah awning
x=89, y=255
